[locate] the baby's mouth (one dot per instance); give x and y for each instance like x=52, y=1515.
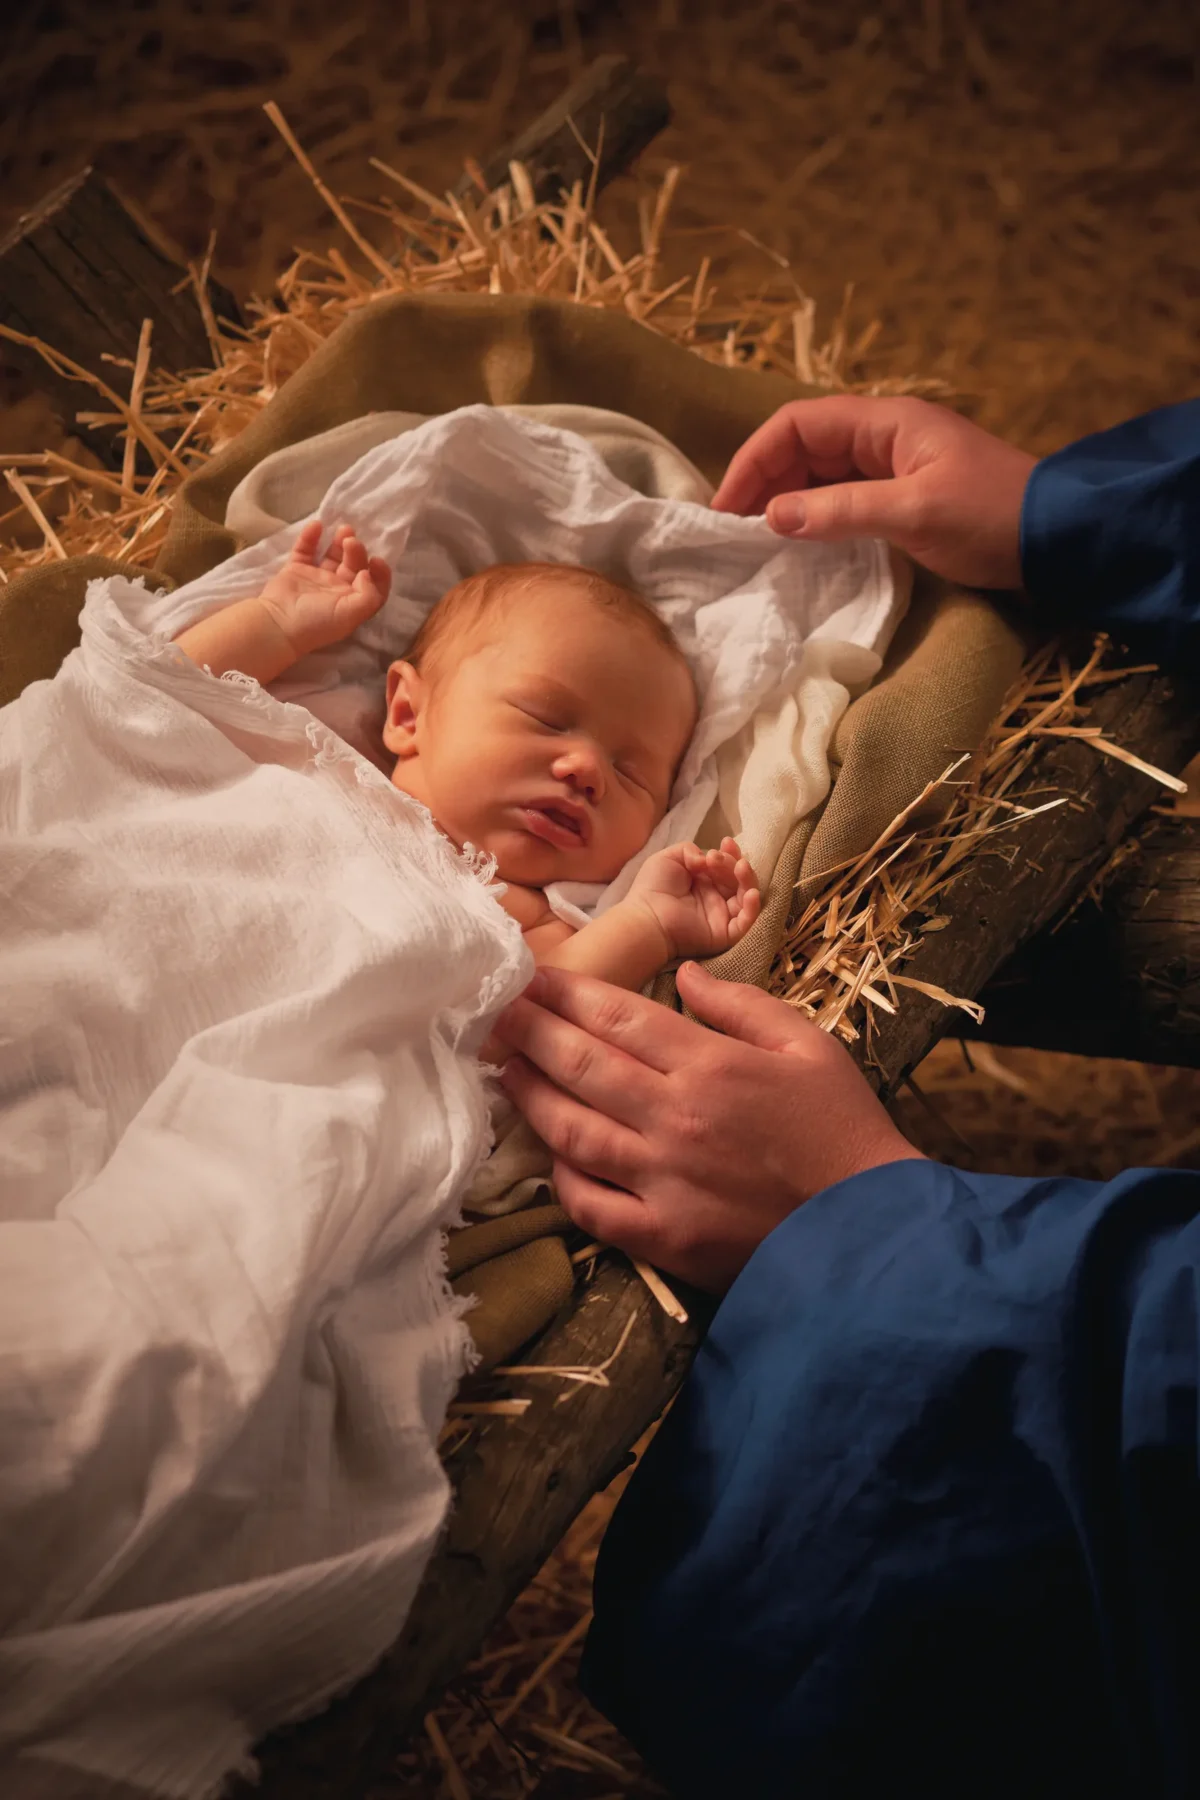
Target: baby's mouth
x=562, y=826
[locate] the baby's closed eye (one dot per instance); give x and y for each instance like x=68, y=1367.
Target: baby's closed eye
x=547, y=716
x=638, y=778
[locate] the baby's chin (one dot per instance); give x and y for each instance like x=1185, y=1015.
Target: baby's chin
x=529, y=863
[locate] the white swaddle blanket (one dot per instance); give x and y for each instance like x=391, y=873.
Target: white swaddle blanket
x=244, y=979
x=778, y=634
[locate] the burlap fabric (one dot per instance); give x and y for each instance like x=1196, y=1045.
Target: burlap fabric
x=940, y=687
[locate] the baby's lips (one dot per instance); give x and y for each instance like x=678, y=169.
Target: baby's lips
x=556, y=823
x=540, y=822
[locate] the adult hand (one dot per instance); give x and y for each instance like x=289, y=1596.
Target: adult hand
x=676, y=1144
x=941, y=489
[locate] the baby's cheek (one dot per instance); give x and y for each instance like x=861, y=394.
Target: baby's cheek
x=637, y=826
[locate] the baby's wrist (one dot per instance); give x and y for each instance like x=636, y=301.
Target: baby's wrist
x=274, y=630
x=644, y=923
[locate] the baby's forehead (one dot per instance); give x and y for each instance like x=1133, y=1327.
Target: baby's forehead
x=556, y=599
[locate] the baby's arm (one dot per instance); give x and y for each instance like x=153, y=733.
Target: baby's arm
x=684, y=902
x=308, y=605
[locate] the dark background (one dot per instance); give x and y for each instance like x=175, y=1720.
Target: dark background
x=1011, y=188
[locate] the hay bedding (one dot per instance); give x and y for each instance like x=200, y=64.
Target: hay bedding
x=1010, y=189
x=515, y=1724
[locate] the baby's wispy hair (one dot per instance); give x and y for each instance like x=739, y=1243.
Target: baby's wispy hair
x=476, y=603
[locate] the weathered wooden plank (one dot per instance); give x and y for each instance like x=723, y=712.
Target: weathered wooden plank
x=1120, y=977
x=81, y=272
x=1011, y=890
x=614, y=106
x=519, y=1482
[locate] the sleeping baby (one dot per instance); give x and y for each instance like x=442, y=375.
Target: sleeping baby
x=540, y=715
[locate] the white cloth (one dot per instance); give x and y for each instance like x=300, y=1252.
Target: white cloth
x=290, y=483
x=244, y=982
x=778, y=634
x=244, y=978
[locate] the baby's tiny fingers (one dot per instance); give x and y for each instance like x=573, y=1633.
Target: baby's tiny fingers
x=354, y=556
x=305, y=547
x=333, y=556
x=381, y=575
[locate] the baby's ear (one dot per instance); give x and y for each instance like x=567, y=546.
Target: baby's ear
x=405, y=698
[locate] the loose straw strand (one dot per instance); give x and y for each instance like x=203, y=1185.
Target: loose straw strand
x=339, y=212
x=31, y=506
x=455, y=1779
x=137, y=387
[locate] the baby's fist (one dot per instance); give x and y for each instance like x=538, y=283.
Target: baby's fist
x=319, y=600
x=704, y=900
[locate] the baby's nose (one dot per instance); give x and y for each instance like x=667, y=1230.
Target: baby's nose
x=580, y=767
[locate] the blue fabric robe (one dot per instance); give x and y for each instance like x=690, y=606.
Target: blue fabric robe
x=925, y=1518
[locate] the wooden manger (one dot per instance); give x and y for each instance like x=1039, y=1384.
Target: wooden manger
x=922, y=924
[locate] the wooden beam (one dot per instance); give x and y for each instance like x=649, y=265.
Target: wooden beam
x=81, y=272
x=999, y=905
x=614, y=106
x=1121, y=976
x=518, y=1483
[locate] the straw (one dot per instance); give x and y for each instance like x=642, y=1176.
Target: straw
x=137, y=387
x=340, y=214
x=39, y=518
x=672, y=1306
x=455, y=1780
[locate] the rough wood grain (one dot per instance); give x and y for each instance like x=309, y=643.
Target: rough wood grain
x=1014, y=887
x=1121, y=977
x=81, y=273
x=613, y=105
x=519, y=1483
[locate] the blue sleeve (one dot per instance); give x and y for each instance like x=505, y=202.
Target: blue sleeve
x=925, y=1517
x=1110, y=534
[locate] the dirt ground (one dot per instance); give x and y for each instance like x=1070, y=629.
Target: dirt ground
x=1006, y=194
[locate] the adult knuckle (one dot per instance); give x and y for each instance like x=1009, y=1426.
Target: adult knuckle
x=611, y=1015
x=580, y=1208
x=721, y=1064
x=910, y=409
x=826, y=1052
x=695, y=1127
x=580, y=1142
x=579, y=1059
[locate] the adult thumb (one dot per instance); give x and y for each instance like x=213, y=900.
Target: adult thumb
x=846, y=509
x=742, y=1011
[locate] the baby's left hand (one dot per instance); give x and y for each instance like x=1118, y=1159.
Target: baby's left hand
x=318, y=600
x=703, y=900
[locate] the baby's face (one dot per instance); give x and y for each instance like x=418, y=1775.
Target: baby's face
x=553, y=748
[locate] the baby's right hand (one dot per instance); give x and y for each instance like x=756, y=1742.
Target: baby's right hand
x=317, y=603
x=704, y=901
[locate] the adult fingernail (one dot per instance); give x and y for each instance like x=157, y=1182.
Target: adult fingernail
x=695, y=968
x=787, y=513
